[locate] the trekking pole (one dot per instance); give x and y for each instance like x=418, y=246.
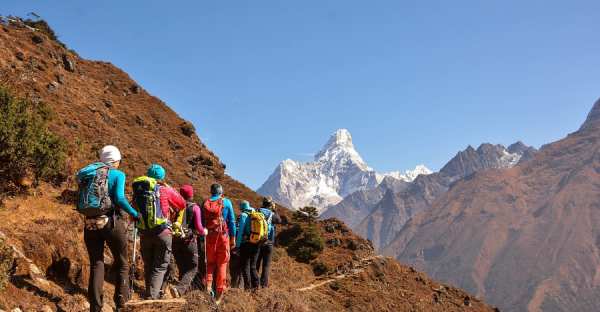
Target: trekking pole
x=133, y=263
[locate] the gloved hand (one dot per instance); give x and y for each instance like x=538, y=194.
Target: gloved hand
x=137, y=218
x=205, y=232
x=235, y=250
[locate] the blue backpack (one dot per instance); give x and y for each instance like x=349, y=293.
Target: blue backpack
x=94, y=199
x=269, y=216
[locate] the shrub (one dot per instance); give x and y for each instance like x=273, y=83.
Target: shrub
x=6, y=262
x=307, y=214
x=320, y=268
x=350, y=303
x=337, y=285
x=288, y=235
x=26, y=145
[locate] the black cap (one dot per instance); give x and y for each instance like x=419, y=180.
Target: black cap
x=267, y=201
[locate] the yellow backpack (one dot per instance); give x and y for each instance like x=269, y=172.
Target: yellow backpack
x=259, y=228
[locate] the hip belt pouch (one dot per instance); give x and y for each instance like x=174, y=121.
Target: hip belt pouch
x=96, y=223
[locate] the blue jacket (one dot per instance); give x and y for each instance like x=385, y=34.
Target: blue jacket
x=267, y=212
x=243, y=234
x=228, y=215
x=116, y=191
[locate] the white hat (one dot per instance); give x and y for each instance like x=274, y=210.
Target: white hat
x=110, y=154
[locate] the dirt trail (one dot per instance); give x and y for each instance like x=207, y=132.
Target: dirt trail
x=359, y=268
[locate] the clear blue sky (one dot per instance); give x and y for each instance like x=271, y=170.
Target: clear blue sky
x=413, y=81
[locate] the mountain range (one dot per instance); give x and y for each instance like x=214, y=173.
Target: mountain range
x=525, y=238
x=337, y=171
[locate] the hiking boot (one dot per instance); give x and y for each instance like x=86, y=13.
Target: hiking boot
x=218, y=298
x=174, y=292
x=209, y=288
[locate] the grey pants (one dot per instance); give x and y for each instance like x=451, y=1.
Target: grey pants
x=156, y=253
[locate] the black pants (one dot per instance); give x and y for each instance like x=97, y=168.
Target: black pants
x=236, y=272
x=186, y=257
x=265, y=258
x=249, y=258
x=115, y=236
x=156, y=253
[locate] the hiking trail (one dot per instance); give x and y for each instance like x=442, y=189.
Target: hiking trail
x=364, y=263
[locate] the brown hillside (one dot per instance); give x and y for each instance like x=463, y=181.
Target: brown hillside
x=525, y=238
x=98, y=104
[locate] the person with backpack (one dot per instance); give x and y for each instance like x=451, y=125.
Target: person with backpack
x=248, y=250
x=101, y=199
x=235, y=266
x=266, y=250
x=185, y=245
x=154, y=199
x=219, y=220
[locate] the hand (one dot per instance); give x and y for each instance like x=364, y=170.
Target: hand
x=137, y=218
x=205, y=232
x=202, y=246
x=232, y=243
x=234, y=250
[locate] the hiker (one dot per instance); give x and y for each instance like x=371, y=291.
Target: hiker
x=266, y=250
x=336, y=271
x=185, y=245
x=219, y=220
x=154, y=199
x=105, y=224
x=235, y=266
x=248, y=251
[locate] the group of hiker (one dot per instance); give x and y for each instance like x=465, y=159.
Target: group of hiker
x=171, y=224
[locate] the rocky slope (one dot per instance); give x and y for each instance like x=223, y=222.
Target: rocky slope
x=525, y=238
x=356, y=206
x=41, y=237
x=337, y=171
x=389, y=216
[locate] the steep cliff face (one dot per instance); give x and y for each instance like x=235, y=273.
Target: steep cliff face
x=525, y=238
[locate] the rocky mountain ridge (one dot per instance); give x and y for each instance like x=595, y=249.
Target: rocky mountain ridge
x=383, y=223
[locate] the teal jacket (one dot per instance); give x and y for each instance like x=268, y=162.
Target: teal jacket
x=243, y=234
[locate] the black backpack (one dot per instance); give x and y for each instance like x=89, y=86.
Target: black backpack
x=186, y=218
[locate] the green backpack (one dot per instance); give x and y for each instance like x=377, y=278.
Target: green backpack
x=146, y=199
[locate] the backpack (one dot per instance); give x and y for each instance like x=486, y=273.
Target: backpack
x=259, y=228
x=146, y=200
x=94, y=199
x=269, y=216
x=185, y=218
x=213, y=215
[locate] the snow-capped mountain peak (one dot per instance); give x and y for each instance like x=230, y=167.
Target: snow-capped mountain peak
x=337, y=171
x=410, y=175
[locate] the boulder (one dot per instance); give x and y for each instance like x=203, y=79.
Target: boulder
x=188, y=129
x=135, y=89
x=20, y=56
x=59, y=78
x=68, y=63
x=38, y=39
x=32, y=59
x=53, y=86
x=174, y=144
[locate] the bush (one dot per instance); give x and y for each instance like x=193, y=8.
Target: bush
x=320, y=268
x=26, y=145
x=6, y=262
x=337, y=285
x=288, y=235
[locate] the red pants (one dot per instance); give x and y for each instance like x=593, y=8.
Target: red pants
x=217, y=255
